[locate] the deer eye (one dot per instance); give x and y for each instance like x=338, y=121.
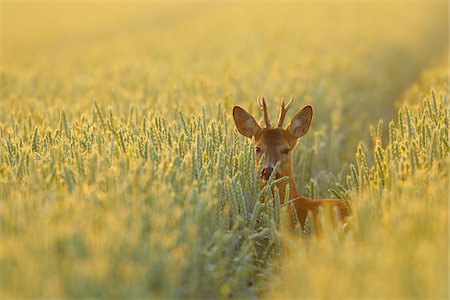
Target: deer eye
x=286, y=151
x=258, y=150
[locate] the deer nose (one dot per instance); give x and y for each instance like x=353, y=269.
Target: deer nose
x=266, y=173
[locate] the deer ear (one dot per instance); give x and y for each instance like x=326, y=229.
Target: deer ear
x=245, y=123
x=300, y=122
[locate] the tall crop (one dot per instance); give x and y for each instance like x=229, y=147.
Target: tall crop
x=395, y=243
x=134, y=205
x=122, y=176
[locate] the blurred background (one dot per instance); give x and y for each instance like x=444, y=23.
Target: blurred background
x=343, y=54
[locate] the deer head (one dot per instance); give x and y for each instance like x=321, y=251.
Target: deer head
x=275, y=143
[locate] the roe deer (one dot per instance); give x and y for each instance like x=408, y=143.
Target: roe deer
x=277, y=145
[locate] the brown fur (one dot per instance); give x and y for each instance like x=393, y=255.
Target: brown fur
x=274, y=142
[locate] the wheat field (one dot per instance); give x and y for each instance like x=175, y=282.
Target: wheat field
x=122, y=174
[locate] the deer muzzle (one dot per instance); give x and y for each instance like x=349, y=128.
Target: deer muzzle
x=266, y=172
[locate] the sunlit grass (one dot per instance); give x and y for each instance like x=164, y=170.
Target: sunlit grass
x=397, y=242
x=121, y=174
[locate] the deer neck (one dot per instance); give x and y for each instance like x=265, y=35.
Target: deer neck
x=293, y=192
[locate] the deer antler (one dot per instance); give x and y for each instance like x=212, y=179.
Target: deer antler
x=283, y=111
x=264, y=108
